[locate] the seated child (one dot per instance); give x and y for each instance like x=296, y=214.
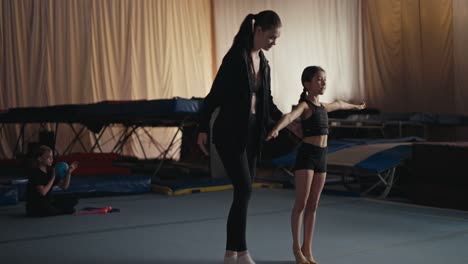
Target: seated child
x=40, y=201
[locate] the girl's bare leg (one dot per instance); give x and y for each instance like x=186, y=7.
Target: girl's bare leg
x=303, y=184
x=310, y=214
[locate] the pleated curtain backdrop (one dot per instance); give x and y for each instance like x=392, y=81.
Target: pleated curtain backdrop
x=409, y=58
x=460, y=55
x=85, y=51
x=324, y=32
x=397, y=55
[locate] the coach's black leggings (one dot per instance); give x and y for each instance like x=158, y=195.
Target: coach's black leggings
x=240, y=167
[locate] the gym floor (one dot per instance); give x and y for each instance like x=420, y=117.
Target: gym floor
x=155, y=228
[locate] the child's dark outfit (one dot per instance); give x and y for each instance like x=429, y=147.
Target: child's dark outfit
x=311, y=157
x=47, y=205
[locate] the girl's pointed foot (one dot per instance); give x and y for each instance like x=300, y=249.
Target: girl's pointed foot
x=300, y=259
x=311, y=260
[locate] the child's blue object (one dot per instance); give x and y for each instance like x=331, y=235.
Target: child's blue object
x=61, y=169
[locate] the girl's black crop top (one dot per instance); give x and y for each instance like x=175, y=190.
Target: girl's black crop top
x=317, y=123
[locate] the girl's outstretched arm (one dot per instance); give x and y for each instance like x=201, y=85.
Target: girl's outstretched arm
x=287, y=119
x=342, y=105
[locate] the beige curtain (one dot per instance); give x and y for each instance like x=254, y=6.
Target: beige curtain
x=398, y=55
x=460, y=39
x=320, y=32
x=408, y=55
x=84, y=51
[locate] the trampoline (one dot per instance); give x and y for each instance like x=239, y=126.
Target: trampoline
x=368, y=163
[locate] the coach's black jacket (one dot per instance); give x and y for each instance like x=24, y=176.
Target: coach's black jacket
x=231, y=91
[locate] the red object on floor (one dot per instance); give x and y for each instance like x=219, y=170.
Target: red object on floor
x=104, y=210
